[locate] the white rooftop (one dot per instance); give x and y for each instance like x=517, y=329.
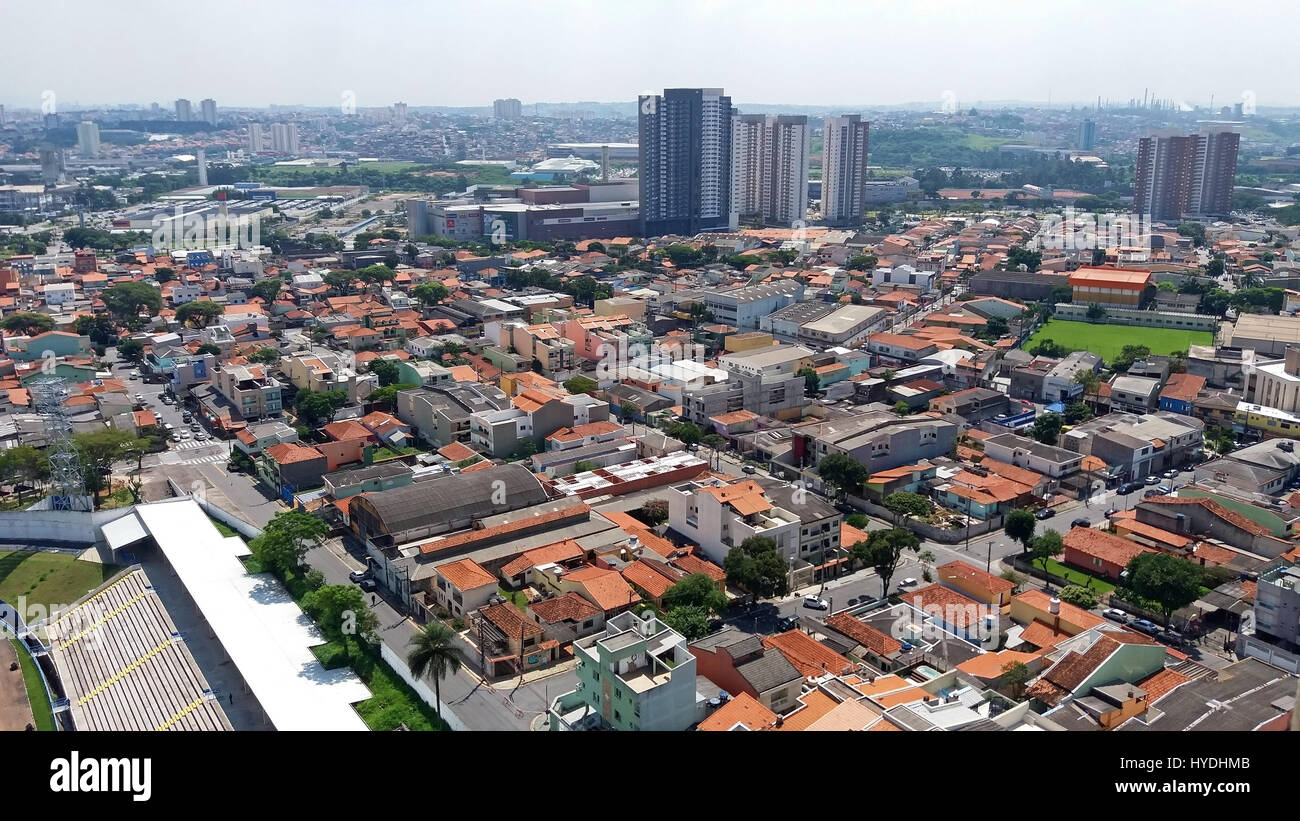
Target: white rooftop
x=260, y=627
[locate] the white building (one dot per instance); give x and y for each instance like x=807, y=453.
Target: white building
x=769, y=167
x=208, y=111
x=844, y=168
x=284, y=138
x=256, y=140
x=88, y=139
x=719, y=516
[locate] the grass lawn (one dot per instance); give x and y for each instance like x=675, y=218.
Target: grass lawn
x=118, y=498
x=1108, y=340
x=1076, y=576
x=48, y=578
x=980, y=142
x=517, y=597
x=41, y=712
x=223, y=528
x=392, y=702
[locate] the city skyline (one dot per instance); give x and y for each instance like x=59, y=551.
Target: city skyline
x=1028, y=69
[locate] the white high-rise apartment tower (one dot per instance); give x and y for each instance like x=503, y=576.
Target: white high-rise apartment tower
x=208, y=110
x=284, y=138
x=769, y=167
x=844, y=169
x=88, y=139
x=256, y=140
x=183, y=114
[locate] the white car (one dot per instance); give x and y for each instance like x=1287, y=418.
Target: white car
x=816, y=603
x=908, y=582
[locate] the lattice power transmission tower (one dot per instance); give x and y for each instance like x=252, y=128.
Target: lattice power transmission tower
x=67, y=474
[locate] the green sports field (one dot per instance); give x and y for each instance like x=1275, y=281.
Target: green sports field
x=1109, y=340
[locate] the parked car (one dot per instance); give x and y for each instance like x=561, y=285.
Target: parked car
x=787, y=623
x=166, y=400
x=908, y=582
x=1045, y=513
x=359, y=575
x=1153, y=480
x=1128, y=487
x=1172, y=637
x=1111, y=512
x=1081, y=523
x=368, y=585
x=1115, y=615
x=749, y=469
x=1150, y=493
x=1148, y=627
x=815, y=603
x=1170, y=474
x=1165, y=489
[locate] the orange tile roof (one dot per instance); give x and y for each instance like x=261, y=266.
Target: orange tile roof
x=690, y=563
x=569, y=607
x=743, y=710
x=456, y=452
x=287, y=453
x=510, y=620
x=815, y=705
x=989, y=666
x=1040, y=601
x=810, y=656
x=850, y=535
x=1041, y=634
x=1129, y=279
x=907, y=696
x=1099, y=544
x=865, y=635
x=1154, y=533
x=557, y=552
x=966, y=572
x=1161, y=684
x=1217, y=509
x=466, y=574
x=648, y=577
x=604, y=587
x=965, y=610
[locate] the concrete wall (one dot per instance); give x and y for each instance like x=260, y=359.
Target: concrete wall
x=58, y=526
x=1078, y=312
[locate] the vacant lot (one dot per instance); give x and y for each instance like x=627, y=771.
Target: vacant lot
x=48, y=578
x=1108, y=340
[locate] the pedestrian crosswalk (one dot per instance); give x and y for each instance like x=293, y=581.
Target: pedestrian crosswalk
x=191, y=444
x=205, y=460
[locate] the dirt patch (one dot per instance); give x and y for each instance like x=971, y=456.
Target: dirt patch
x=15, y=712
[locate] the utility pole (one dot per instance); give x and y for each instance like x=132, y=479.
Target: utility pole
x=988, y=564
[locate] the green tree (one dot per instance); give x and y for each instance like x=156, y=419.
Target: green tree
x=1079, y=596
x=685, y=432
x=1020, y=525
x=1047, y=428
x=200, y=313
x=24, y=465
x=1214, y=268
x=1077, y=412
x=1096, y=313
x=268, y=289
x=1128, y=355
x=1046, y=547
x=430, y=293
x=883, y=551
x=902, y=408
x=904, y=503
x=265, y=355
x=130, y=350
x=696, y=590
x=127, y=300
x=653, y=512
x=433, y=651
x=1168, y=580
x=811, y=381
x=99, y=327
x=386, y=369
x=162, y=275
x=843, y=473
x=101, y=449
x=1016, y=675
x=580, y=384
x=860, y=262
x=757, y=567
x=692, y=622
x=858, y=520
x=316, y=409
x=27, y=323
x=209, y=348
x=341, y=612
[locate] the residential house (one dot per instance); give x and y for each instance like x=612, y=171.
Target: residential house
x=739, y=663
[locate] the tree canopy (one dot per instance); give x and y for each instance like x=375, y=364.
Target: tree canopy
x=199, y=313
x=757, y=567
x=1020, y=525
x=1169, y=581
x=127, y=300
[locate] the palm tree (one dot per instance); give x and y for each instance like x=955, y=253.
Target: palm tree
x=432, y=651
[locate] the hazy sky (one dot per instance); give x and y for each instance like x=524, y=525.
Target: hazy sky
x=253, y=53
